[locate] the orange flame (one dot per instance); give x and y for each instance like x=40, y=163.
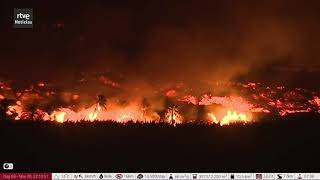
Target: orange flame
x=58, y=116
x=172, y=116
x=230, y=117
x=237, y=108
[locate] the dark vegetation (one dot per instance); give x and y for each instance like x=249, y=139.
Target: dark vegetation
x=275, y=144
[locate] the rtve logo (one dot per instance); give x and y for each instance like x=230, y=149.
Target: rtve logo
x=23, y=18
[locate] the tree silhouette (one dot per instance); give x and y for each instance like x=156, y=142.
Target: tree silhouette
x=102, y=101
x=172, y=114
x=4, y=108
x=32, y=112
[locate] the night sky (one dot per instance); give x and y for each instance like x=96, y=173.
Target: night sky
x=164, y=40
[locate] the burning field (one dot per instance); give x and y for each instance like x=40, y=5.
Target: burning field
x=248, y=102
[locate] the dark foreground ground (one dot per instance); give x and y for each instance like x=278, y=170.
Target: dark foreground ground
x=290, y=144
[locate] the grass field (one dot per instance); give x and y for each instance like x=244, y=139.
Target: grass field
x=277, y=144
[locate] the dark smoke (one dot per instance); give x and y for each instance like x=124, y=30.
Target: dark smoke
x=160, y=43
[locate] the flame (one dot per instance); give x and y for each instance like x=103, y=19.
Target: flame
x=125, y=117
x=172, y=115
x=230, y=117
x=93, y=116
x=236, y=108
x=59, y=116
x=317, y=100
x=15, y=110
x=95, y=112
x=214, y=118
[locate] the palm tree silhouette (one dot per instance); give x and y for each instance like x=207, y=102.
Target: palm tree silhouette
x=101, y=102
x=32, y=112
x=172, y=114
x=4, y=108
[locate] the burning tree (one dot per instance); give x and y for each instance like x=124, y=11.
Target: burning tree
x=101, y=102
x=173, y=115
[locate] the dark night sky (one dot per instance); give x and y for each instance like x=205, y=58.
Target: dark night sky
x=164, y=39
